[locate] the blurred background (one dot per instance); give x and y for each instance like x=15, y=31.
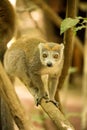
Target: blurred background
x=32, y=20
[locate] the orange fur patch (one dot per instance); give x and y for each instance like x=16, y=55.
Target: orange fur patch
x=54, y=48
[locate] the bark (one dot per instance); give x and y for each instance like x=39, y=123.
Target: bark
x=56, y=115
x=84, y=83
x=68, y=42
x=8, y=94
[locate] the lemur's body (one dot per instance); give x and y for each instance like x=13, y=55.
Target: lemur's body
x=26, y=60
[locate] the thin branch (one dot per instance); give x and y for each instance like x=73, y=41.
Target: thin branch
x=22, y=10
x=68, y=42
x=8, y=93
x=84, y=112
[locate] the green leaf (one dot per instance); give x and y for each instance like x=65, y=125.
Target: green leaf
x=85, y=21
x=85, y=18
x=79, y=17
x=68, y=23
x=79, y=28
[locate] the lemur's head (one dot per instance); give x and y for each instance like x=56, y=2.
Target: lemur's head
x=51, y=53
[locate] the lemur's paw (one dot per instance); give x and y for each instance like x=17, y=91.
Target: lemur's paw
x=53, y=101
x=38, y=100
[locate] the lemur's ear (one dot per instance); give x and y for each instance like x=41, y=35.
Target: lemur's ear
x=62, y=46
x=40, y=45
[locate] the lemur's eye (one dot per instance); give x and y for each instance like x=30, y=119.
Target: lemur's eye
x=56, y=56
x=44, y=55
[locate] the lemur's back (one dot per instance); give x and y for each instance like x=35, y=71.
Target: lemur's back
x=28, y=45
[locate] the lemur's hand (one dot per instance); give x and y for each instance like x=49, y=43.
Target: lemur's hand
x=53, y=101
x=40, y=97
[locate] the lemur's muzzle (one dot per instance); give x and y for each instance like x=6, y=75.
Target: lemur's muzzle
x=49, y=64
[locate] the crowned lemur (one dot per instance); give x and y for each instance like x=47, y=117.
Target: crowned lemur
x=31, y=58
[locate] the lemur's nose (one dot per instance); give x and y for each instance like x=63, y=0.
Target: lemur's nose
x=49, y=64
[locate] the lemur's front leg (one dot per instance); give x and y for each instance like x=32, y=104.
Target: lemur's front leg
x=52, y=87
x=38, y=87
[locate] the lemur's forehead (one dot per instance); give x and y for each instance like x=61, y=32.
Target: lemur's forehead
x=52, y=46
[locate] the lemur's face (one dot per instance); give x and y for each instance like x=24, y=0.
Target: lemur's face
x=51, y=53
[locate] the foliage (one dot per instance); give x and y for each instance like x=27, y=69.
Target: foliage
x=77, y=24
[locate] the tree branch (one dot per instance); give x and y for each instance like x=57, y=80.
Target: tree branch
x=84, y=85
x=68, y=42
x=56, y=115
x=8, y=93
